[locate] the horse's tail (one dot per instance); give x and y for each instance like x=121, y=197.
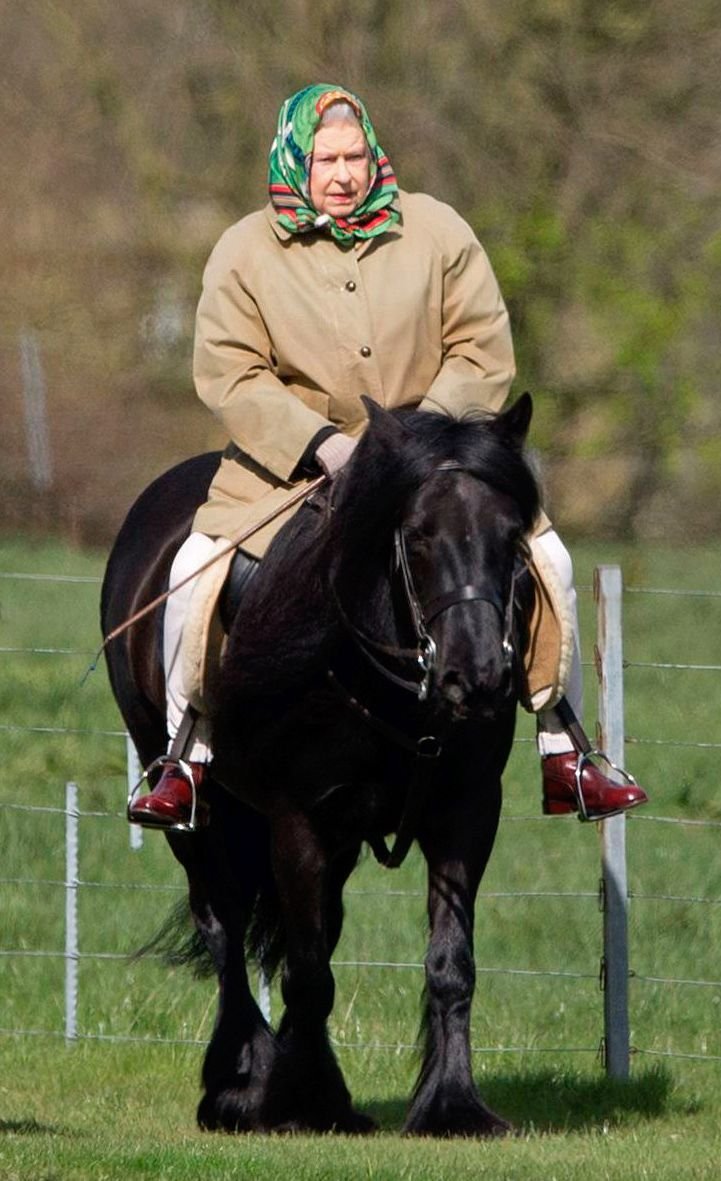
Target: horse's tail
x=265, y=938
x=247, y=864
x=234, y=897
x=179, y=945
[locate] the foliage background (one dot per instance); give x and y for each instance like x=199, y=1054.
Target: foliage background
x=580, y=140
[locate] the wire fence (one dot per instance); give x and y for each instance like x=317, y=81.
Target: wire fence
x=72, y=883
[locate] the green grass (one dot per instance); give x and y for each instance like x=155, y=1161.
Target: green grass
x=107, y=1109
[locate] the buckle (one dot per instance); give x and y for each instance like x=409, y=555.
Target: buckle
x=429, y=747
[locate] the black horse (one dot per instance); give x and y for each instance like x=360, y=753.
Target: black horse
x=368, y=687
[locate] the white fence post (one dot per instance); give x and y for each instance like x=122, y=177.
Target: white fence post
x=608, y=587
x=264, y=996
x=134, y=771
x=71, y=912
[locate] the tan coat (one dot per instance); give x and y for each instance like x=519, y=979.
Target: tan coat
x=291, y=330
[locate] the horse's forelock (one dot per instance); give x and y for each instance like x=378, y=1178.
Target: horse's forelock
x=372, y=496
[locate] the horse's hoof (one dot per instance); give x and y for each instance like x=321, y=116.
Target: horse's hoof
x=225, y=1112
x=347, y=1123
x=356, y=1124
x=478, y=1122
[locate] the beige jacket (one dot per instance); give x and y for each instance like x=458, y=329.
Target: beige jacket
x=291, y=330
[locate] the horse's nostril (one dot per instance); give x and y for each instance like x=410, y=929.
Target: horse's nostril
x=453, y=689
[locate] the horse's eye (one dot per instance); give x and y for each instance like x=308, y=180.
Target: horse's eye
x=416, y=541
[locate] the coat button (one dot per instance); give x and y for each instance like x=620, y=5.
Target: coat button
x=365, y=351
x=350, y=285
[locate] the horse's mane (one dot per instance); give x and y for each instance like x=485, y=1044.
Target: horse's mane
x=395, y=458
x=288, y=624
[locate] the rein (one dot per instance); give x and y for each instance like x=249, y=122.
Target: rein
x=292, y=499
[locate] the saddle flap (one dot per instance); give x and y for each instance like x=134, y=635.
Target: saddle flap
x=551, y=632
x=203, y=632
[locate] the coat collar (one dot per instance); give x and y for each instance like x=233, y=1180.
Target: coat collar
x=284, y=235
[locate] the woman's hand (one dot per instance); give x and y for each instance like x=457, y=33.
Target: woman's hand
x=334, y=453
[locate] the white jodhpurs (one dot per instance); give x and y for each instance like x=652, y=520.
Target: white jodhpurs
x=194, y=551
x=551, y=737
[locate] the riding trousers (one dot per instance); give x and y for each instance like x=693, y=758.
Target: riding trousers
x=551, y=737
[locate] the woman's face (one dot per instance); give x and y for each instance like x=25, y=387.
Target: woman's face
x=339, y=170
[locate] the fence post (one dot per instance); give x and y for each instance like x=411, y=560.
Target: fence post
x=608, y=590
x=264, y=996
x=133, y=771
x=36, y=415
x=71, y=912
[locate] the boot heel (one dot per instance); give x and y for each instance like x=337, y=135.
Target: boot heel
x=557, y=808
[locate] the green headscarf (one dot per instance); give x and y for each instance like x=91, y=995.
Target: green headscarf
x=289, y=169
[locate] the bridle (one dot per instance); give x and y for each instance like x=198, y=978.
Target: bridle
x=428, y=747
x=424, y=657
x=422, y=617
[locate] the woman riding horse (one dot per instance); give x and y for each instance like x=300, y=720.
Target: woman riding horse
x=341, y=286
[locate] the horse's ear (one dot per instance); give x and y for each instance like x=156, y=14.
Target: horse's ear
x=514, y=422
x=384, y=426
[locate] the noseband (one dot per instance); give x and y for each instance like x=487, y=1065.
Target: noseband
x=421, y=618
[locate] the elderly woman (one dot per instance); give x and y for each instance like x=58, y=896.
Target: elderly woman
x=342, y=286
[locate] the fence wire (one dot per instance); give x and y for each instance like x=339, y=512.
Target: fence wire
x=394, y=1047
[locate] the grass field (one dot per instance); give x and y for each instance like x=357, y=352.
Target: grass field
x=106, y=1109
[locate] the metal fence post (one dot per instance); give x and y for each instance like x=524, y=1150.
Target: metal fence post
x=133, y=771
x=264, y=996
x=608, y=588
x=71, y=912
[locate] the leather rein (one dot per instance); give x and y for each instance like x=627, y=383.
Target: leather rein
x=427, y=748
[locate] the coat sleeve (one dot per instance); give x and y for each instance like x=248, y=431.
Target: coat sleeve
x=477, y=365
x=234, y=371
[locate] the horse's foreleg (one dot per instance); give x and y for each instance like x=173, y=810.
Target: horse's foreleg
x=445, y=1102
x=306, y=1089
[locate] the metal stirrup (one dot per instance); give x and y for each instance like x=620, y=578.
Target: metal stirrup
x=187, y=772
x=179, y=748
x=586, y=753
x=586, y=757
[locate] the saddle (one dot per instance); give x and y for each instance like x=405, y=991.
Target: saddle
x=218, y=591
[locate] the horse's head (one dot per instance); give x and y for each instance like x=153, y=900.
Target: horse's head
x=468, y=504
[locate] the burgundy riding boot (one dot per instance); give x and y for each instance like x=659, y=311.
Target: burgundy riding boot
x=171, y=800
x=602, y=797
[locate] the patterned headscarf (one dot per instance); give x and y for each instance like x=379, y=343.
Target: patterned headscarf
x=289, y=169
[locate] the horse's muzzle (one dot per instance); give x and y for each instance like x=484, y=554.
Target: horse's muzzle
x=489, y=692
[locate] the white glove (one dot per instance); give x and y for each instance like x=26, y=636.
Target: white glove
x=334, y=452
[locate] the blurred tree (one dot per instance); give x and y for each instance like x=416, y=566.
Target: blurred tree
x=581, y=141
